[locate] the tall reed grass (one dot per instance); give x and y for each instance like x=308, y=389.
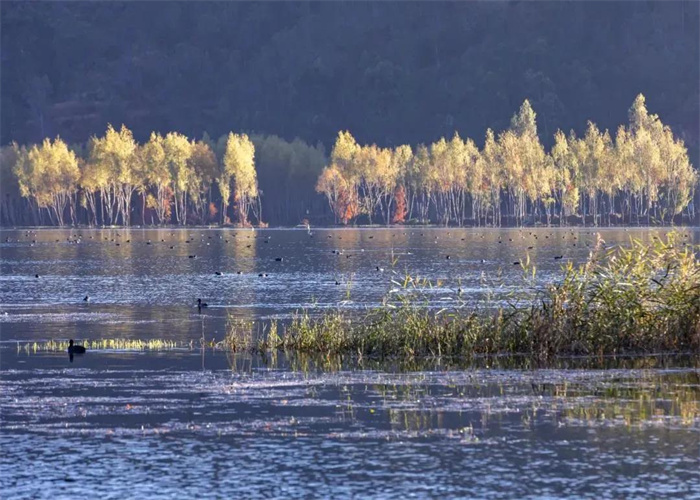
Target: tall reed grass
x=637, y=299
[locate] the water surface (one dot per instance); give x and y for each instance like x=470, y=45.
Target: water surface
x=186, y=423
x=143, y=283
x=193, y=424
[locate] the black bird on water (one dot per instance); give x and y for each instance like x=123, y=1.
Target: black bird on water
x=75, y=349
x=218, y=273
x=201, y=304
x=86, y=299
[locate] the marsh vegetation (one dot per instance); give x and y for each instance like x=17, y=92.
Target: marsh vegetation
x=636, y=299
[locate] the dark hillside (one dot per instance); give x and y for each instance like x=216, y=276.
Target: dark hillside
x=391, y=72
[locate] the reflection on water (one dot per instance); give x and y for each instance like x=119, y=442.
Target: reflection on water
x=143, y=283
x=190, y=422
x=199, y=422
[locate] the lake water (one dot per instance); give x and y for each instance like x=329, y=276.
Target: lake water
x=144, y=290
x=183, y=423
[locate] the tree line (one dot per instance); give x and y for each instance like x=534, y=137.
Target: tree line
x=169, y=179
x=171, y=175
x=643, y=174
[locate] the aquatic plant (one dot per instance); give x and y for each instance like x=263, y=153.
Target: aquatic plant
x=637, y=299
x=116, y=344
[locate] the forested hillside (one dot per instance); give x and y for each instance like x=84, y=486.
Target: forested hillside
x=390, y=73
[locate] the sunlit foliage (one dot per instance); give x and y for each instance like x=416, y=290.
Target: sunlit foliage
x=642, y=175
x=48, y=174
x=239, y=167
x=639, y=174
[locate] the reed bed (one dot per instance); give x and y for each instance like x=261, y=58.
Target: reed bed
x=642, y=298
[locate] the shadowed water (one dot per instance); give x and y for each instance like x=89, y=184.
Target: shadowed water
x=186, y=423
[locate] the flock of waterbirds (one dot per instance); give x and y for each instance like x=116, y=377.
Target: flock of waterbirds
x=570, y=236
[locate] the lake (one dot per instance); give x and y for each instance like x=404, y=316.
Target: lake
x=142, y=283
x=204, y=422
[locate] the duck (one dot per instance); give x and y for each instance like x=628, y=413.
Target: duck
x=75, y=349
x=86, y=299
x=201, y=304
x=218, y=273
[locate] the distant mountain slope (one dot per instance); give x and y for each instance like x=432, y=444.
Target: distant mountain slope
x=390, y=72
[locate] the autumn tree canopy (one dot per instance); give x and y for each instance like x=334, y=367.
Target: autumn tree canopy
x=639, y=173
